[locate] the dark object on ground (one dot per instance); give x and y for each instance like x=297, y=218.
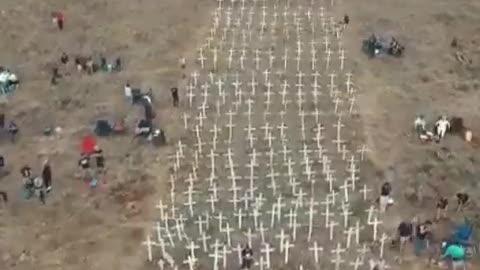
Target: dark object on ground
x=103, y=128
x=64, y=58
x=456, y=125
x=454, y=43
x=3, y=196
x=346, y=19
x=158, y=138
x=2, y=121
x=376, y=45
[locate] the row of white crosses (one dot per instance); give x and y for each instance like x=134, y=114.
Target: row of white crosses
x=219, y=252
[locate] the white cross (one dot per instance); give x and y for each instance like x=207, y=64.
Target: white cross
x=337, y=261
x=358, y=228
x=201, y=58
x=331, y=225
x=228, y=231
x=200, y=222
x=149, y=243
x=327, y=214
x=257, y=59
x=365, y=191
x=162, y=208
x=283, y=237
x=357, y=263
x=311, y=213
x=267, y=250
x=362, y=151
x=315, y=249
x=349, y=234
x=253, y=84
x=345, y=188
x=351, y=102
x=285, y=59
x=382, y=244
x=342, y=58
x=328, y=53
x=287, y=247
x=249, y=236
x=375, y=224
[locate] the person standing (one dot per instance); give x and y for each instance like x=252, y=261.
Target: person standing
x=405, y=232
x=128, y=92
x=47, y=175
x=442, y=205
x=247, y=257
x=99, y=158
x=420, y=241
x=175, y=98
x=385, y=192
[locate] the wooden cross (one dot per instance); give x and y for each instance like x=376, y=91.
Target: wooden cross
x=149, y=243
x=362, y=151
x=358, y=228
x=342, y=58
x=267, y=250
x=249, y=236
x=375, y=224
x=331, y=225
x=287, y=247
x=283, y=237
x=357, y=263
x=315, y=249
x=365, y=191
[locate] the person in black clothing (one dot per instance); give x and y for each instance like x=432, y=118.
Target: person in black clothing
x=247, y=257
x=47, y=175
x=405, y=231
x=462, y=201
x=423, y=230
x=13, y=130
x=99, y=158
x=442, y=205
x=64, y=58
x=174, y=91
x=385, y=192
x=346, y=19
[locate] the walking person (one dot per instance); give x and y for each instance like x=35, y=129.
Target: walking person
x=420, y=241
x=175, y=98
x=247, y=257
x=385, y=192
x=47, y=175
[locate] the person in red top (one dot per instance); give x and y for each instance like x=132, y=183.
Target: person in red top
x=58, y=19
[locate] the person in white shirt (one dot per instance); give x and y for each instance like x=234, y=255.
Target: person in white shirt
x=441, y=127
x=128, y=92
x=420, y=124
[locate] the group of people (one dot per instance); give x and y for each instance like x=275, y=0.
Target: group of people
x=442, y=126
x=420, y=233
x=87, y=173
x=86, y=64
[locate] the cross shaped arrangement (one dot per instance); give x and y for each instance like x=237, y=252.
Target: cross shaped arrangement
x=267, y=157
